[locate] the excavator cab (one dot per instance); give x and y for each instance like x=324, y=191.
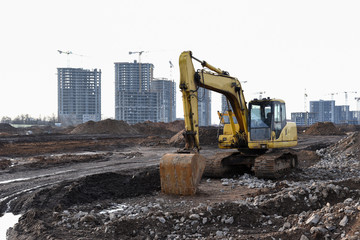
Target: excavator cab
x=261, y=120
x=268, y=127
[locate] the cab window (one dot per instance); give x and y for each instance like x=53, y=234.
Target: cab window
x=260, y=121
x=260, y=116
x=279, y=117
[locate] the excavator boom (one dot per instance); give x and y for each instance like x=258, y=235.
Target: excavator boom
x=218, y=81
x=181, y=172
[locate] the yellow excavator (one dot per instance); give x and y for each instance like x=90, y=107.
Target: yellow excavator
x=257, y=131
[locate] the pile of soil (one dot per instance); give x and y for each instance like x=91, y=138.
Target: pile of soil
x=207, y=136
x=7, y=128
x=349, y=146
x=159, y=128
x=349, y=128
x=323, y=128
x=107, y=126
x=175, y=126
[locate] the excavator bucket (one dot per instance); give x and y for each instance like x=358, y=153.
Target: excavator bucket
x=181, y=173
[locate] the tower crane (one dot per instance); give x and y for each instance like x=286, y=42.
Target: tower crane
x=305, y=100
x=346, y=95
x=305, y=108
x=332, y=95
x=140, y=53
x=358, y=103
x=171, y=69
x=61, y=52
x=68, y=53
x=260, y=94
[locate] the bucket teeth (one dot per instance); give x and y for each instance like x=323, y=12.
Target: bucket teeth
x=180, y=174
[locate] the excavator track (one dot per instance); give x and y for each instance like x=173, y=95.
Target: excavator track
x=228, y=164
x=215, y=167
x=274, y=164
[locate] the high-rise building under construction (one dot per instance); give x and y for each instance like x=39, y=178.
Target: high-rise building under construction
x=134, y=102
x=167, y=106
x=79, y=95
x=204, y=107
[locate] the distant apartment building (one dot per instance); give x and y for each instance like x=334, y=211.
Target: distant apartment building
x=135, y=107
x=342, y=114
x=167, y=97
x=204, y=107
x=303, y=119
x=224, y=105
x=354, y=117
x=134, y=102
x=324, y=110
x=79, y=95
x=133, y=77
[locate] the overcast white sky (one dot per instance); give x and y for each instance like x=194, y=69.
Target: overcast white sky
x=280, y=47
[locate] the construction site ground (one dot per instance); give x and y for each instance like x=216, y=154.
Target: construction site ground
x=78, y=183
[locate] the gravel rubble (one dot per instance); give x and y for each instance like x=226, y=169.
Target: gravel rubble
x=319, y=202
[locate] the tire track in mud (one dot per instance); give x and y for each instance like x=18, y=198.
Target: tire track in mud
x=21, y=182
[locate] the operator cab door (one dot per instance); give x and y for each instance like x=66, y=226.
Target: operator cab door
x=279, y=118
x=266, y=117
x=261, y=119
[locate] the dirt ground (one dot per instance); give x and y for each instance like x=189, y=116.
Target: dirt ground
x=106, y=185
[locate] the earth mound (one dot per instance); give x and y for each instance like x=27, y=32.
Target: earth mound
x=323, y=128
x=207, y=136
x=349, y=128
x=7, y=128
x=159, y=128
x=349, y=146
x=108, y=126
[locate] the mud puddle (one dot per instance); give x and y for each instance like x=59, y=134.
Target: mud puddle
x=6, y=221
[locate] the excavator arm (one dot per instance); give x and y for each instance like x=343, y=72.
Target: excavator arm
x=181, y=172
x=218, y=81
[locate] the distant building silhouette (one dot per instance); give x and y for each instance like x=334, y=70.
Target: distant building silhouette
x=303, y=119
x=134, y=102
x=167, y=97
x=79, y=95
x=204, y=107
x=326, y=111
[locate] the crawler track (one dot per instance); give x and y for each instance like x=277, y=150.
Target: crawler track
x=274, y=164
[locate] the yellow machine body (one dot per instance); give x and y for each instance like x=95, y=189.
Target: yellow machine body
x=282, y=134
x=181, y=172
